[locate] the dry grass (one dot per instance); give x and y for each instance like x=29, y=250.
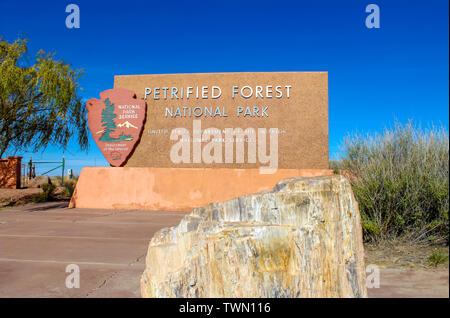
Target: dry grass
x=400, y=179
x=15, y=197
x=395, y=254
x=10, y=197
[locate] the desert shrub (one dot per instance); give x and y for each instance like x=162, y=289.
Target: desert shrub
x=47, y=193
x=69, y=187
x=400, y=179
x=437, y=257
x=335, y=165
x=57, y=180
x=48, y=190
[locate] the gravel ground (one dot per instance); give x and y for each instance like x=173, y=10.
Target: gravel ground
x=17, y=196
x=404, y=256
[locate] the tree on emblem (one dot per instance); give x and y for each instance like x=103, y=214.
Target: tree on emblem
x=108, y=123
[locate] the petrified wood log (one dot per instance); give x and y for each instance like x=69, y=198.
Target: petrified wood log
x=302, y=239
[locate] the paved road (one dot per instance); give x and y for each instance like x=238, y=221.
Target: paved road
x=38, y=241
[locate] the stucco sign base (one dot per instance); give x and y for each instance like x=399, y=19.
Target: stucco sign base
x=172, y=189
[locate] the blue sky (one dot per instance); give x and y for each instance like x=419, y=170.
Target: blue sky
x=376, y=76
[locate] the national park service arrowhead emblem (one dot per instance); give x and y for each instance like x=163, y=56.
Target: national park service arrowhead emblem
x=116, y=121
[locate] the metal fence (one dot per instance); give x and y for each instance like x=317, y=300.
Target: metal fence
x=29, y=169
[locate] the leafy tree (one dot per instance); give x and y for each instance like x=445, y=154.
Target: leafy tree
x=39, y=103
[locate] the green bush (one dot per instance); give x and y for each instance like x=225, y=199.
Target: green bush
x=47, y=193
x=437, y=257
x=335, y=166
x=69, y=187
x=400, y=180
x=57, y=180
